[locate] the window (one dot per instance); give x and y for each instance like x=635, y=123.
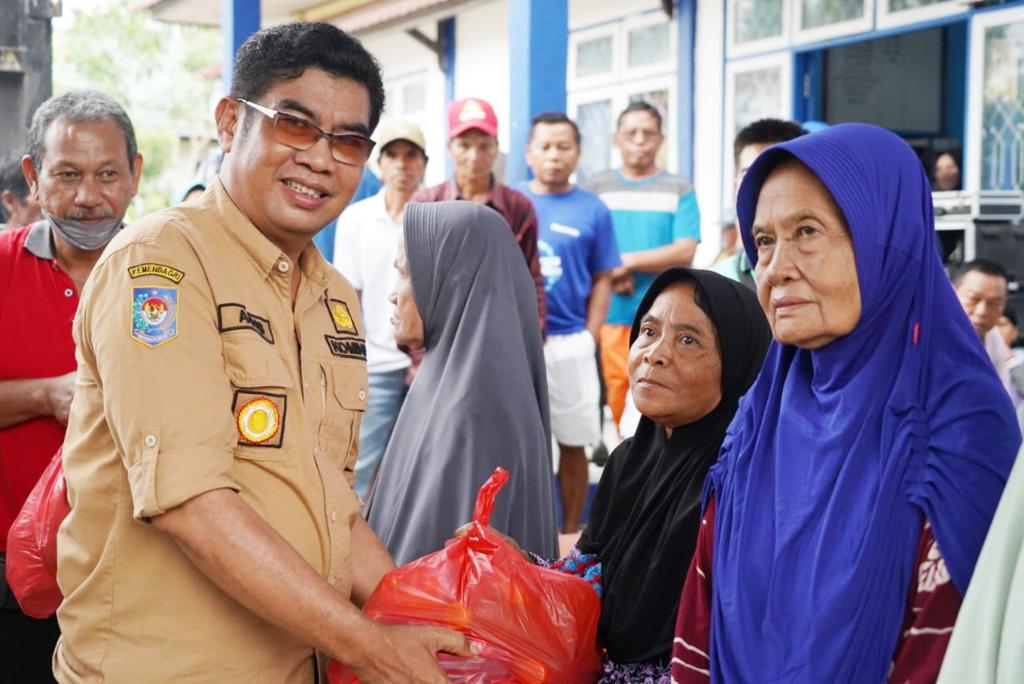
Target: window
x=898, y=12
x=595, y=121
x=996, y=118
x=611, y=65
x=755, y=25
x=824, y=19
x=1002, y=136
x=649, y=45
x=817, y=13
x=594, y=57
x=756, y=88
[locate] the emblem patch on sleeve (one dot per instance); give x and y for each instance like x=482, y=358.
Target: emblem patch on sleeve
x=161, y=270
x=259, y=417
x=341, y=317
x=236, y=317
x=154, y=315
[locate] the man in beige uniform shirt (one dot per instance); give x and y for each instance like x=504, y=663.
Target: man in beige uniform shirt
x=213, y=534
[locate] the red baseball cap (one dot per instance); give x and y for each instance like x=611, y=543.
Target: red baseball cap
x=471, y=113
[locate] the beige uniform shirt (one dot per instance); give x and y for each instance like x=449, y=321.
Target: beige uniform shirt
x=196, y=373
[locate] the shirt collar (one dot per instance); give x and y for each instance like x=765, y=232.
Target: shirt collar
x=495, y=198
x=264, y=253
x=39, y=241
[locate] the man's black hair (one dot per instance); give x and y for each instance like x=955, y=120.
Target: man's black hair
x=555, y=118
x=986, y=266
x=12, y=178
x=765, y=132
x=284, y=52
x=639, y=106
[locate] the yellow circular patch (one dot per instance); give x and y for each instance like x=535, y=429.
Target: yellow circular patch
x=259, y=420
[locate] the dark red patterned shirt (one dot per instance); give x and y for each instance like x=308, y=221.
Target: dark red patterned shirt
x=932, y=606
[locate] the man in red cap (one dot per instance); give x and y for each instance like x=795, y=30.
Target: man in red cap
x=473, y=145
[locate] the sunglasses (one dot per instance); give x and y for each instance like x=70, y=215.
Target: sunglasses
x=301, y=134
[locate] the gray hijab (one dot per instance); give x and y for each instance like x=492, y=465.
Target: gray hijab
x=480, y=398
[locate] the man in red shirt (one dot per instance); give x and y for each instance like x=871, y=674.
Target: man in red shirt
x=83, y=167
x=473, y=145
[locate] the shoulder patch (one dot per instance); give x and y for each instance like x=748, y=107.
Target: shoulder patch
x=154, y=315
x=341, y=317
x=161, y=270
x=232, y=316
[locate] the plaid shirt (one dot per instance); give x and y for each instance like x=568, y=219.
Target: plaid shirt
x=517, y=211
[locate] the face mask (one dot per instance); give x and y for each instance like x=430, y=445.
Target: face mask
x=87, y=237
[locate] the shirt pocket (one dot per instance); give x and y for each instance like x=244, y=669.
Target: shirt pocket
x=261, y=392
x=344, y=408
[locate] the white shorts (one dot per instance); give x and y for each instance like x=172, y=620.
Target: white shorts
x=573, y=389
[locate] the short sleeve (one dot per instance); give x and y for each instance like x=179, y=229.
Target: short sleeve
x=147, y=331
x=686, y=224
x=346, y=249
x=604, y=255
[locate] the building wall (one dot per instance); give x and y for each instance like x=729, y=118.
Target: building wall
x=410, y=69
x=708, y=174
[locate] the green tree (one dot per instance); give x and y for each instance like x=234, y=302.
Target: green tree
x=165, y=75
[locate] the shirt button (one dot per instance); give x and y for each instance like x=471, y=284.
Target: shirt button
x=150, y=441
x=334, y=516
x=362, y=395
x=69, y=292
x=283, y=266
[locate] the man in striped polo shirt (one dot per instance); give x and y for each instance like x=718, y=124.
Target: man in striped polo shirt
x=657, y=226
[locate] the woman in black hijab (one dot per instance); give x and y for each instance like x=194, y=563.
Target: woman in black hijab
x=696, y=346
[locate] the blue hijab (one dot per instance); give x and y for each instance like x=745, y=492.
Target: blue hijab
x=838, y=455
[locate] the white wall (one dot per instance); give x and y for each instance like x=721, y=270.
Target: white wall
x=482, y=61
x=403, y=61
x=583, y=13
x=708, y=126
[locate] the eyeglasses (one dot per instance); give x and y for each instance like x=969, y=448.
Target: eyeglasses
x=301, y=134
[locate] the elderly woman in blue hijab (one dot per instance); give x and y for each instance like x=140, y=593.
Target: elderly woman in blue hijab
x=846, y=511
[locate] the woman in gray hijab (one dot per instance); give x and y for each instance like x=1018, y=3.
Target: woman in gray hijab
x=479, y=399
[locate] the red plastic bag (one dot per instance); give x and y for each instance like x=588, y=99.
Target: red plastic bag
x=529, y=624
x=32, y=544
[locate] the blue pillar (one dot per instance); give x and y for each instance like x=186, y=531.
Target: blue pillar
x=538, y=47
x=239, y=20
x=686, y=26
x=446, y=37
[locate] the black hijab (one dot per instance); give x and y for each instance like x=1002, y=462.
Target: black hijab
x=646, y=513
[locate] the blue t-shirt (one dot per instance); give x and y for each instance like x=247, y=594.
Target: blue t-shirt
x=575, y=241
x=648, y=213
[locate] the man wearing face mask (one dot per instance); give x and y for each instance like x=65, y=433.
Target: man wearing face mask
x=83, y=168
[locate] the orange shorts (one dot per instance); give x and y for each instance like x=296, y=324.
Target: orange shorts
x=614, y=351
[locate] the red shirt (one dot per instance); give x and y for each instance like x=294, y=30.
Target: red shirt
x=37, y=304
x=517, y=210
x=930, y=613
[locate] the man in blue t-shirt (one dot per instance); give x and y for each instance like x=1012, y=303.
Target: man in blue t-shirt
x=577, y=254
x=657, y=226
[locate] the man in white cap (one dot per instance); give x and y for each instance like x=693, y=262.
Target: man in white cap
x=364, y=251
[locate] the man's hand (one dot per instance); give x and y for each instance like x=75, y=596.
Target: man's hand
x=409, y=654
x=623, y=284
x=59, y=393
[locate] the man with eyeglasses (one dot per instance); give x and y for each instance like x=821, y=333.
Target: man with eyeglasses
x=213, y=534
x=657, y=226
